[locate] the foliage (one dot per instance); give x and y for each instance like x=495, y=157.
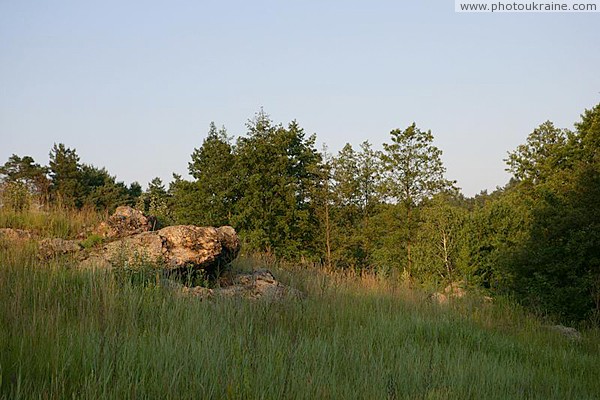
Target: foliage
x=65, y=174
x=558, y=269
x=155, y=201
x=212, y=167
x=356, y=181
x=544, y=152
x=413, y=166
x=15, y=196
x=210, y=199
x=24, y=172
x=440, y=240
x=93, y=240
x=413, y=173
x=277, y=170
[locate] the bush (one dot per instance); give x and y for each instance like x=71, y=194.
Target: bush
x=15, y=196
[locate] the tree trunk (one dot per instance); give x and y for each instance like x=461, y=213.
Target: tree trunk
x=327, y=234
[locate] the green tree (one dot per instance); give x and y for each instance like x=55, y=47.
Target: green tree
x=277, y=170
x=356, y=180
x=212, y=167
x=155, y=201
x=440, y=238
x=15, y=196
x=187, y=202
x=557, y=270
x=413, y=172
x=545, y=150
x=25, y=172
x=65, y=175
x=101, y=191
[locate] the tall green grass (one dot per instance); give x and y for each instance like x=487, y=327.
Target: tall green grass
x=66, y=333
x=57, y=222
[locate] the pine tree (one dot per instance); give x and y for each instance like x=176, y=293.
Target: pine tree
x=65, y=175
x=214, y=190
x=276, y=171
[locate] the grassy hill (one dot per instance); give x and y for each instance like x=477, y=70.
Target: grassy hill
x=67, y=333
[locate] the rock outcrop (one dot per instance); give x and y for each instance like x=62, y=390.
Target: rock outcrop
x=175, y=248
x=127, y=239
x=455, y=290
x=568, y=332
x=125, y=221
x=49, y=248
x=15, y=234
x=253, y=286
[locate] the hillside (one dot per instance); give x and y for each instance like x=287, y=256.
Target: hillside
x=70, y=333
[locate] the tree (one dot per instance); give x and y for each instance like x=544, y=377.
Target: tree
x=323, y=202
x=214, y=190
x=413, y=172
x=101, y=190
x=356, y=180
x=557, y=269
x=440, y=240
x=545, y=150
x=24, y=172
x=188, y=203
x=15, y=196
x=65, y=175
x=155, y=201
x=276, y=172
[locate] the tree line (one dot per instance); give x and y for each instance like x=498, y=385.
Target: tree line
x=392, y=212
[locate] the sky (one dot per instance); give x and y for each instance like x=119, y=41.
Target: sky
x=133, y=86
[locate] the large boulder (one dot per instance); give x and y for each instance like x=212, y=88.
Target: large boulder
x=125, y=221
x=176, y=248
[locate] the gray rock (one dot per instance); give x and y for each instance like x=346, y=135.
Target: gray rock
x=50, y=248
x=252, y=286
x=568, y=332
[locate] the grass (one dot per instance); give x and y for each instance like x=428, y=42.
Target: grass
x=66, y=333
x=58, y=222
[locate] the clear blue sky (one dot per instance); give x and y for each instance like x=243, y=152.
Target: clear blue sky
x=133, y=86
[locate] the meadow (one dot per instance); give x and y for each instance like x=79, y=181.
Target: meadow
x=82, y=334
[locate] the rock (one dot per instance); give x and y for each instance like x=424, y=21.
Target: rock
x=49, y=248
x=439, y=298
x=455, y=290
x=199, y=246
x=259, y=284
x=569, y=333
x=136, y=249
x=125, y=221
x=176, y=248
x=252, y=286
x=94, y=262
x=15, y=234
x=197, y=291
